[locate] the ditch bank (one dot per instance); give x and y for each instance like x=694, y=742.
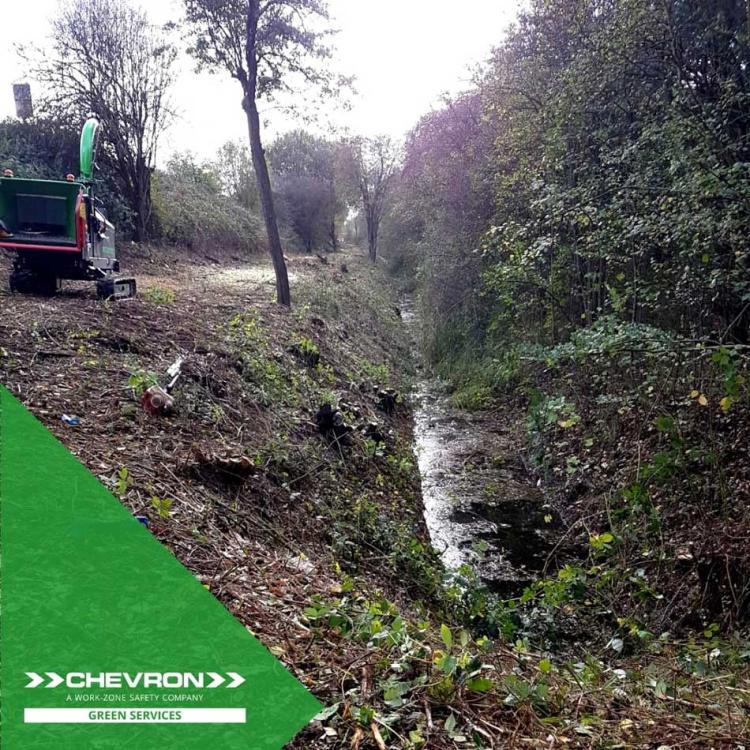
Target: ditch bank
x=315, y=541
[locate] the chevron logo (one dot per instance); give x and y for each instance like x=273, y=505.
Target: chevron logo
x=118, y=680
x=83, y=544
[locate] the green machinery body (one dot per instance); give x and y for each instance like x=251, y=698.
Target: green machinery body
x=57, y=229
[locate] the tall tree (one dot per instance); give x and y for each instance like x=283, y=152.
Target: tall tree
x=108, y=59
x=372, y=164
x=269, y=47
x=442, y=206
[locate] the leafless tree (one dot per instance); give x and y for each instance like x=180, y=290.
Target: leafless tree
x=269, y=46
x=107, y=59
x=372, y=165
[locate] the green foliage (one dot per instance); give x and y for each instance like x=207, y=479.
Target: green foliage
x=601, y=543
x=259, y=367
x=267, y=376
x=605, y=189
x=472, y=397
x=307, y=345
x=546, y=414
x=415, y=658
x=374, y=449
x=192, y=209
x=233, y=168
x=140, y=380
x=615, y=213
x=521, y=691
x=307, y=350
x=731, y=368
x=124, y=481
x=413, y=661
x=160, y=295
x=402, y=463
x=475, y=379
x=162, y=505
x=378, y=372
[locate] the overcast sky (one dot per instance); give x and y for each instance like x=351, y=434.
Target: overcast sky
x=404, y=54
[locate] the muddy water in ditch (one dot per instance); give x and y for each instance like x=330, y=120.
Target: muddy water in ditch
x=481, y=506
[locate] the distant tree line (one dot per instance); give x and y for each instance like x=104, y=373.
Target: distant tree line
x=203, y=203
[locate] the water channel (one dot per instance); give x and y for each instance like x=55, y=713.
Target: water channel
x=481, y=506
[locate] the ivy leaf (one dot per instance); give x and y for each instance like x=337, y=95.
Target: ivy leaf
x=447, y=664
x=479, y=685
x=447, y=636
x=327, y=712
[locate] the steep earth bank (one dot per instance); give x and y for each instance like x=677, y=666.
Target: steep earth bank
x=286, y=481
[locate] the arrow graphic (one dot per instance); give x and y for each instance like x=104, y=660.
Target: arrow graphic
x=237, y=679
x=35, y=680
x=217, y=679
x=54, y=679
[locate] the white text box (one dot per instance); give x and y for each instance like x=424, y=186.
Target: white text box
x=134, y=715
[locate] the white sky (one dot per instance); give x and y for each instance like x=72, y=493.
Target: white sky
x=404, y=54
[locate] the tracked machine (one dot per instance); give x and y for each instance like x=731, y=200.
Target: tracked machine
x=57, y=229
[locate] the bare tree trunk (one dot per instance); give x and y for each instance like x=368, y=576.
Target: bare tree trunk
x=333, y=236
x=283, y=296
x=140, y=230
x=372, y=235
x=142, y=227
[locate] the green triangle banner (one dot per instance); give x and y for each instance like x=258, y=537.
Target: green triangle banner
x=106, y=640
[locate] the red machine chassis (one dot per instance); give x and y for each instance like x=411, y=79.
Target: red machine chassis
x=52, y=248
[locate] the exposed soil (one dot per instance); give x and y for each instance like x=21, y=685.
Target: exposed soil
x=276, y=517
x=246, y=468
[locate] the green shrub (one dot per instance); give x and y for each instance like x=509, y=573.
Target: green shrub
x=160, y=295
x=191, y=210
